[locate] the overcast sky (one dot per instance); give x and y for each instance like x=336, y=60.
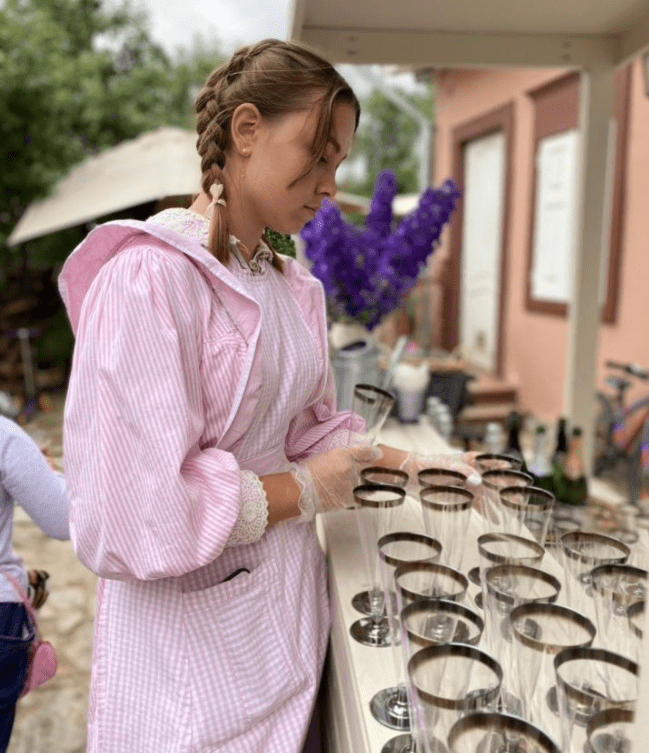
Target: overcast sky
x=231, y=23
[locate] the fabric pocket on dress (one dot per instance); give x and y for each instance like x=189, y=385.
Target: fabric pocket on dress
x=243, y=664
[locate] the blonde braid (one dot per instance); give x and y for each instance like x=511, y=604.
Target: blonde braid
x=211, y=142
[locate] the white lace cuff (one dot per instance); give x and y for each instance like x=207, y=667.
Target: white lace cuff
x=253, y=515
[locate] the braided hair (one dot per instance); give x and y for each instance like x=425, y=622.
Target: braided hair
x=278, y=78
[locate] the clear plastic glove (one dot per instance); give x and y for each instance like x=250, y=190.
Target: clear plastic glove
x=463, y=463
x=327, y=480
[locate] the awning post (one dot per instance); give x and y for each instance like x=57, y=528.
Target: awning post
x=596, y=108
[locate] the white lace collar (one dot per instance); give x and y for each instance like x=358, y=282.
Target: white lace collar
x=196, y=226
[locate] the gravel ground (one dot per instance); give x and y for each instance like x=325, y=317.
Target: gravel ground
x=52, y=718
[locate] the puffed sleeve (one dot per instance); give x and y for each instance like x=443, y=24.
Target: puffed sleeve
x=320, y=426
x=146, y=501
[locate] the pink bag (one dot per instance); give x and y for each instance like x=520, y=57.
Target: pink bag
x=42, y=663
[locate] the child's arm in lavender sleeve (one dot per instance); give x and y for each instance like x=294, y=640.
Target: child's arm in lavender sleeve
x=30, y=482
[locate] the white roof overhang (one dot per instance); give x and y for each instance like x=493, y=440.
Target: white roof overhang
x=474, y=33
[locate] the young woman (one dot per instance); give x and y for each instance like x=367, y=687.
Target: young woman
x=26, y=479
x=201, y=432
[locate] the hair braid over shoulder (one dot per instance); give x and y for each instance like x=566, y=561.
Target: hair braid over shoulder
x=211, y=143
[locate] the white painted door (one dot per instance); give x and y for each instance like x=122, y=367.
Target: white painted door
x=484, y=180
x=554, y=218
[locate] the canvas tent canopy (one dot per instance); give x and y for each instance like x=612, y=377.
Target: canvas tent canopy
x=154, y=166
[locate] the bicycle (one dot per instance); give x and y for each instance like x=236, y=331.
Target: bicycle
x=622, y=429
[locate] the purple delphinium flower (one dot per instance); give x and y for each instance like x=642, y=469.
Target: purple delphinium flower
x=366, y=272
x=379, y=218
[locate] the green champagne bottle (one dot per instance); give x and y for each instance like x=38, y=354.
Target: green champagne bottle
x=574, y=486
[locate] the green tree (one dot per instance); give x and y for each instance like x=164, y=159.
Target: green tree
x=77, y=78
x=386, y=139
x=191, y=66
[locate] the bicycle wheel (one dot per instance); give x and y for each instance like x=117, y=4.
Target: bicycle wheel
x=605, y=453
x=635, y=470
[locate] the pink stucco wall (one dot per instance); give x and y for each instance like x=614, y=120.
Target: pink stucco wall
x=535, y=344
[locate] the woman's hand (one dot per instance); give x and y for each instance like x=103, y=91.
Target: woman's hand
x=414, y=463
x=327, y=480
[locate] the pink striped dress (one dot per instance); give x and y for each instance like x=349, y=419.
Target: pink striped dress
x=188, y=379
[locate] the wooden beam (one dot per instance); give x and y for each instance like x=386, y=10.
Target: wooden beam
x=460, y=49
x=635, y=41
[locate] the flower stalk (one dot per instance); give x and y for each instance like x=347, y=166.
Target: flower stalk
x=367, y=271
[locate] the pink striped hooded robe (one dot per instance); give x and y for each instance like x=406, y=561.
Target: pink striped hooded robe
x=164, y=385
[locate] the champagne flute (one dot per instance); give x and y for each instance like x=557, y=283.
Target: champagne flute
x=371, y=406
x=449, y=681
x=447, y=511
x=375, y=506
x=591, y=680
x=496, y=732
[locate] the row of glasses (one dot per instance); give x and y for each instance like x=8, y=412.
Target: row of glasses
x=409, y=567
x=509, y=511
x=423, y=622
x=591, y=702
x=428, y=596
x=384, y=550
x=506, y=554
